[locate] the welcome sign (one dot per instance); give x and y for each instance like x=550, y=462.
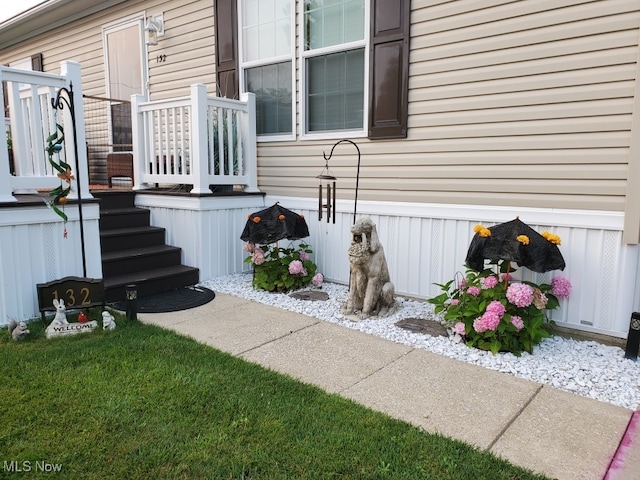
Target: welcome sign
x=57, y=329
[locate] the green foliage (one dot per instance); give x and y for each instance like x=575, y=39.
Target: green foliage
x=59, y=194
x=144, y=402
x=271, y=266
x=467, y=302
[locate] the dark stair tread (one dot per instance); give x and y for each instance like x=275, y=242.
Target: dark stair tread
x=147, y=275
x=138, y=252
x=122, y=211
x=115, y=232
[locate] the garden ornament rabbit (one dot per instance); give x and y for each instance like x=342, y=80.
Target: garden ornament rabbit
x=61, y=312
x=108, y=322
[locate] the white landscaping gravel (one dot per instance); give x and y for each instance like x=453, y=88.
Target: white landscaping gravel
x=587, y=368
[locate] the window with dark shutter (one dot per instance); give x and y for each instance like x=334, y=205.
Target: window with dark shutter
x=389, y=69
x=226, y=21
x=36, y=63
x=36, y=66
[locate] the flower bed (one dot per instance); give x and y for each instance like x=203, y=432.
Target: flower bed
x=278, y=269
x=492, y=311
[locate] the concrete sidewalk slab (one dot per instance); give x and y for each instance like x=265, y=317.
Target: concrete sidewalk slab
x=565, y=436
x=440, y=394
x=327, y=355
x=232, y=325
x=626, y=463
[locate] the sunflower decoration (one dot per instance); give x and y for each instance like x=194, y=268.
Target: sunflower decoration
x=59, y=194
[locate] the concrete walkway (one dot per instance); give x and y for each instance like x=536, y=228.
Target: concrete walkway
x=560, y=434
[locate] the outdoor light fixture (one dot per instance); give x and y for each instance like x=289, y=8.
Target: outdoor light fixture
x=153, y=29
x=633, y=339
x=330, y=180
x=131, y=295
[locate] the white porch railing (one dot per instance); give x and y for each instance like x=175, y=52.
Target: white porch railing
x=32, y=119
x=200, y=140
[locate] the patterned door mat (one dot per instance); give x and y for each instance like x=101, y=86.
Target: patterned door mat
x=173, y=301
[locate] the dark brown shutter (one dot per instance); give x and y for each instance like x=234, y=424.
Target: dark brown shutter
x=36, y=63
x=389, y=68
x=5, y=94
x=226, y=19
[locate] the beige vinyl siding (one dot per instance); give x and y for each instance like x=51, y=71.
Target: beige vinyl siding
x=524, y=104
x=189, y=47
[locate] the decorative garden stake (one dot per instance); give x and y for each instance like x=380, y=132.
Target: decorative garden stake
x=330, y=177
x=63, y=168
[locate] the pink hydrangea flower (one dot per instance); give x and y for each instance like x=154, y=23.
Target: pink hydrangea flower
x=490, y=281
x=506, y=277
x=479, y=326
x=248, y=247
x=462, y=284
x=520, y=294
x=475, y=291
x=317, y=279
x=296, y=268
x=460, y=328
x=517, y=322
x=490, y=320
x=496, y=308
x=304, y=256
x=454, y=301
x=258, y=256
x=560, y=287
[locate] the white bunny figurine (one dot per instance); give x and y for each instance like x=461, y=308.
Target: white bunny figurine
x=61, y=312
x=108, y=322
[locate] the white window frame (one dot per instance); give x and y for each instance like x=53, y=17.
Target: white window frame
x=242, y=66
x=302, y=97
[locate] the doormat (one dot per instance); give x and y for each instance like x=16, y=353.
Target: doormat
x=173, y=301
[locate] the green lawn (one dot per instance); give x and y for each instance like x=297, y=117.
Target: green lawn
x=142, y=402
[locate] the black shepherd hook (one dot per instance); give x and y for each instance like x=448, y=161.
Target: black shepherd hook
x=355, y=205
x=58, y=104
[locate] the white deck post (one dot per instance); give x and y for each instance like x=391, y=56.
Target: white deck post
x=138, y=127
x=198, y=131
x=249, y=140
x=6, y=192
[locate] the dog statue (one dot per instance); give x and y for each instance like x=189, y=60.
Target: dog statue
x=370, y=289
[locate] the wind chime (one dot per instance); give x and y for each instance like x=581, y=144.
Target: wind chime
x=328, y=180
